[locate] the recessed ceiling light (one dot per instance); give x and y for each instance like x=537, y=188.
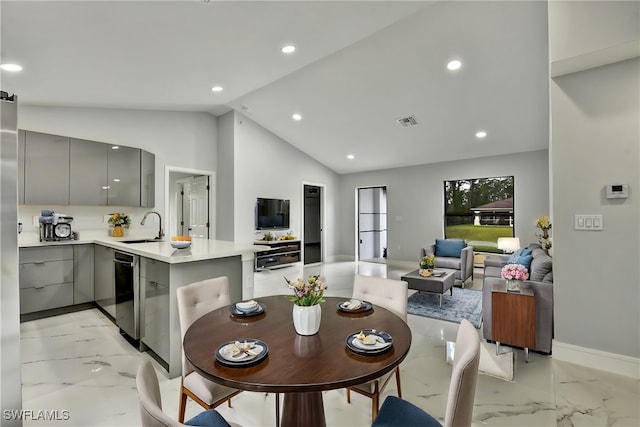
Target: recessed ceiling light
x=481, y=134
x=297, y=117
x=288, y=48
x=454, y=65
x=115, y=147
x=217, y=88
x=116, y=179
x=350, y=156
x=11, y=67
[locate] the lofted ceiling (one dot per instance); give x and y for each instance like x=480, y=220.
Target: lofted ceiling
x=359, y=66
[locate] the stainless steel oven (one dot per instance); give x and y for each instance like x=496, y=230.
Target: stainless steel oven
x=127, y=281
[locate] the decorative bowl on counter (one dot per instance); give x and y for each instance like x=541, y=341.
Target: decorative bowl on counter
x=181, y=242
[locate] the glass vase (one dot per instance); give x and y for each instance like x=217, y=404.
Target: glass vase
x=306, y=319
x=513, y=285
x=118, y=231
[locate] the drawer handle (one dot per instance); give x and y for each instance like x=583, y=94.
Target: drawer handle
x=39, y=263
x=39, y=287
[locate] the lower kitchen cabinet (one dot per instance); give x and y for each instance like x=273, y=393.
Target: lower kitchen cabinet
x=83, y=273
x=154, y=285
x=104, y=283
x=46, y=278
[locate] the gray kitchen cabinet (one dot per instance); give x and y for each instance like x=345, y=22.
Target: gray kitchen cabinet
x=154, y=315
x=21, y=146
x=46, y=278
x=147, y=179
x=123, y=174
x=88, y=172
x=46, y=169
x=83, y=273
x=104, y=282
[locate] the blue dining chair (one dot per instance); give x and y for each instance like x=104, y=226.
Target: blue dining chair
x=462, y=389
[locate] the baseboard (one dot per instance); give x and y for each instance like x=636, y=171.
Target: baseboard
x=597, y=359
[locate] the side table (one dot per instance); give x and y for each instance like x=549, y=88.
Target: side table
x=513, y=318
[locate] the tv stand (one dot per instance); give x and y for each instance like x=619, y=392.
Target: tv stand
x=281, y=253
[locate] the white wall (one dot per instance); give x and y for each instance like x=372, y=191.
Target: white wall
x=415, y=201
x=267, y=166
x=595, y=141
x=225, y=177
x=180, y=139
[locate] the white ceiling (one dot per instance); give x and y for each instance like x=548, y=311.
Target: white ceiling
x=358, y=66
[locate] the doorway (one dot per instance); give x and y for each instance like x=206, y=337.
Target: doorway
x=190, y=202
x=312, y=223
x=372, y=224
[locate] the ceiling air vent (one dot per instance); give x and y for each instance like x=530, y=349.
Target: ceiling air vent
x=407, y=121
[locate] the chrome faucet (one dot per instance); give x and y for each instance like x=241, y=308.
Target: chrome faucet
x=160, y=231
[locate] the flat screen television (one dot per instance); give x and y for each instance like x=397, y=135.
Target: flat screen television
x=272, y=214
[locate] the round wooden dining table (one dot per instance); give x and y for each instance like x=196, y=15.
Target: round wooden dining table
x=299, y=366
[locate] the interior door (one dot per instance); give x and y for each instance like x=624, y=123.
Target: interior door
x=193, y=206
x=312, y=224
x=372, y=224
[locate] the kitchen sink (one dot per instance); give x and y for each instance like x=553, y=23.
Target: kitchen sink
x=142, y=241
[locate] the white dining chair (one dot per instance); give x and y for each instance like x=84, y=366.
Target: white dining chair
x=462, y=389
x=151, y=413
x=194, y=301
x=392, y=295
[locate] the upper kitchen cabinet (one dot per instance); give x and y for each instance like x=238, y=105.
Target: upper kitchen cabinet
x=88, y=183
x=148, y=179
x=46, y=169
x=123, y=175
x=21, y=145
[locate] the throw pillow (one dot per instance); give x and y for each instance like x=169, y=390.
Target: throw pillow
x=525, y=261
x=513, y=259
x=449, y=247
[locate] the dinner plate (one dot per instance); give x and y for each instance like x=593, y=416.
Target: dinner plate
x=237, y=313
x=229, y=356
x=357, y=346
x=365, y=306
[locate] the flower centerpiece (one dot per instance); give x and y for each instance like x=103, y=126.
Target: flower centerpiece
x=119, y=222
x=514, y=274
x=306, y=298
x=427, y=264
x=544, y=224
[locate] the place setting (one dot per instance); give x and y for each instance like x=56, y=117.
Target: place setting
x=242, y=353
x=247, y=308
x=354, y=306
x=369, y=342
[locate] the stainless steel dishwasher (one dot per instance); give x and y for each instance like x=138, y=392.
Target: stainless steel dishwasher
x=127, y=281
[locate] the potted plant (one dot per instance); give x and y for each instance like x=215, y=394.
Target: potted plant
x=306, y=298
x=427, y=264
x=514, y=274
x=119, y=222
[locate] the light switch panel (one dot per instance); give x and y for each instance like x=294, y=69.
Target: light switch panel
x=588, y=222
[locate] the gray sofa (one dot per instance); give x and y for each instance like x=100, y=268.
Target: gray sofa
x=462, y=264
x=540, y=281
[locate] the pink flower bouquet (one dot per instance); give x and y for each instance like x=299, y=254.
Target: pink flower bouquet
x=514, y=272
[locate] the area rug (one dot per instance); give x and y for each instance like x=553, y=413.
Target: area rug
x=463, y=304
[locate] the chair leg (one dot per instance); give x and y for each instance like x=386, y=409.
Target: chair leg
x=348, y=396
x=229, y=403
x=277, y=409
x=398, y=382
x=374, y=406
x=182, y=405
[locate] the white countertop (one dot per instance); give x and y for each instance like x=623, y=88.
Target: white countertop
x=200, y=249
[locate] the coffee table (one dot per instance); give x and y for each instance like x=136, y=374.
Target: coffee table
x=433, y=284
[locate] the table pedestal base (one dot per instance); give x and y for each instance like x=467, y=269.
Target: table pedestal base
x=303, y=409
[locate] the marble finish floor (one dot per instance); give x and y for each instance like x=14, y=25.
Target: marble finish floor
x=79, y=363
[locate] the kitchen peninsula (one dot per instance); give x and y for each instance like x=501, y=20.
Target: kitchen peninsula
x=72, y=272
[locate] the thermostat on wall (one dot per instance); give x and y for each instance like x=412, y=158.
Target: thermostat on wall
x=617, y=191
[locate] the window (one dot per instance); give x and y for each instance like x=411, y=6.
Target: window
x=479, y=210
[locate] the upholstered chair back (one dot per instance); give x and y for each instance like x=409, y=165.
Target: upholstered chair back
x=388, y=293
x=149, y=397
x=197, y=299
x=464, y=375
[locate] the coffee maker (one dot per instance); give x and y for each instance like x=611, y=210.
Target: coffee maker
x=55, y=227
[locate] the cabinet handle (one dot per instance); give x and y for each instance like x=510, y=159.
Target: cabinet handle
x=39, y=287
x=39, y=263
x=152, y=283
